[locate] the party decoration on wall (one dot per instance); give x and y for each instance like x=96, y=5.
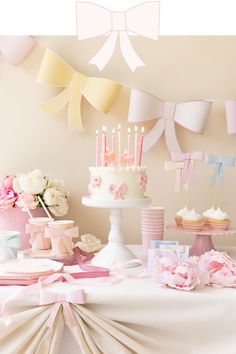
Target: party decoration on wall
x=16, y=48
x=230, y=109
x=188, y=174
x=178, y=167
x=191, y=115
x=94, y=20
x=100, y=93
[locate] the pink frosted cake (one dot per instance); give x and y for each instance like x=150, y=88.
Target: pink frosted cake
x=109, y=183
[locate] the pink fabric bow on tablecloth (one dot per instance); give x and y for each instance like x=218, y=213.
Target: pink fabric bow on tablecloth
x=16, y=48
x=36, y=231
x=63, y=236
x=119, y=190
x=191, y=115
x=188, y=158
x=94, y=20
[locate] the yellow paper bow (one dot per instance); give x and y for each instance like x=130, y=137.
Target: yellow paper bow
x=178, y=167
x=100, y=93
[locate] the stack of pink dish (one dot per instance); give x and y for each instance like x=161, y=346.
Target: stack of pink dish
x=27, y=271
x=152, y=225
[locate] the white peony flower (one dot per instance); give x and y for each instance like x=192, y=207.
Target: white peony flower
x=61, y=208
x=32, y=182
x=89, y=243
x=52, y=197
x=16, y=185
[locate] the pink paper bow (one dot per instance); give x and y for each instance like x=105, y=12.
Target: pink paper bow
x=126, y=160
x=191, y=115
x=64, y=300
x=187, y=158
x=63, y=236
x=94, y=20
x=230, y=110
x=16, y=48
x=36, y=231
x=119, y=190
x=109, y=157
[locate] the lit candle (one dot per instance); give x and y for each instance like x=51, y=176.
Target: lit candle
x=135, y=144
x=97, y=147
x=119, y=143
x=104, y=145
x=129, y=141
x=113, y=140
x=141, y=147
x=125, y=159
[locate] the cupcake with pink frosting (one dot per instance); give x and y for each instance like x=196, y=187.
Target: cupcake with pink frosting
x=192, y=221
x=219, y=220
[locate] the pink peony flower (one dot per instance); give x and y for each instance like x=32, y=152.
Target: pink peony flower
x=29, y=199
x=221, y=268
x=170, y=271
x=7, y=181
x=7, y=198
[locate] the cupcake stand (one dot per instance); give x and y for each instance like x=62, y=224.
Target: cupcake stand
x=203, y=241
x=115, y=250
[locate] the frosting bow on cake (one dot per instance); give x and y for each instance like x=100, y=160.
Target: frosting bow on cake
x=187, y=158
x=142, y=20
x=219, y=163
x=191, y=115
x=100, y=93
x=119, y=190
x=16, y=48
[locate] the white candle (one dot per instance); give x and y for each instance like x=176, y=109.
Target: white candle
x=113, y=140
x=97, y=147
x=119, y=143
x=135, y=144
x=125, y=153
x=141, y=147
x=129, y=141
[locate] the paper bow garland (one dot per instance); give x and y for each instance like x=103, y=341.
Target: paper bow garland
x=9, y=246
x=191, y=115
x=187, y=158
x=219, y=163
x=16, y=48
x=94, y=20
x=230, y=109
x=178, y=167
x=64, y=300
x=100, y=93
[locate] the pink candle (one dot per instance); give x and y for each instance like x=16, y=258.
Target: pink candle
x=135, y=145
x=119, y=144
x=97, y=147
x=113, y=140
x=104, y=145
x=125, y=155
x=129, y=141
x=141, y=147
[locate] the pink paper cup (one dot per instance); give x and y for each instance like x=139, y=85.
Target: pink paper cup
x=40, y=242
x=59, y=248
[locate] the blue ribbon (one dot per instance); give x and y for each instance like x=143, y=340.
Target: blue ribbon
x=219, y=163
x=10, y=245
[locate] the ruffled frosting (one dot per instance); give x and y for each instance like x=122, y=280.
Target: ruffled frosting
x=192, y=216
x=218, y=214
x=182, y=212
x=208, y=212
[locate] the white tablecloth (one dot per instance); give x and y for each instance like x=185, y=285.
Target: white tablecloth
x=161, y=320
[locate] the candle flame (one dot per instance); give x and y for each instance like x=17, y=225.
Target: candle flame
x=119, y=127
x=129, y=130
x=113, y=131
x=142, y=130
x=125, y=152
x=97, y=131
x=136, y=128
x=104, y=129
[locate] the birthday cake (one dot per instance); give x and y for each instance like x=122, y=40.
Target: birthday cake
x=118, y=176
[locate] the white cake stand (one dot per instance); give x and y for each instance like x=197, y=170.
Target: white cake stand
x=115, y=250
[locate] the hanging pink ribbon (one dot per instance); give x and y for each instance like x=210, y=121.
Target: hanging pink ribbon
x=188, y=158
x=16, y=48
x=191, y=115
x=230, y=110
x=94, y=20
x=64, y=236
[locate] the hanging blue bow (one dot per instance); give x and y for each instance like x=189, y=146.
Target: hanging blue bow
x=219, y=163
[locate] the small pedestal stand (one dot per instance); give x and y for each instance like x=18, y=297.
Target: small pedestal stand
x=115, y=250
x=203, y=241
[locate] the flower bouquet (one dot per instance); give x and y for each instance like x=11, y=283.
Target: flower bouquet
x=23, y=191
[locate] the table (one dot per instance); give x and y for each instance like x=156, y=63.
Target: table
x=132, y=316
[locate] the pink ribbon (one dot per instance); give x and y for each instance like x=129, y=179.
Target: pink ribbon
x=36, y=231
x=230, y=110
x=191, y=115
x=63, y=236
x=119, y=190
x=16, y=48
x=94, y=20
x=187, y=158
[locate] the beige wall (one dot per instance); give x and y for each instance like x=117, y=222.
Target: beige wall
x=177, y=68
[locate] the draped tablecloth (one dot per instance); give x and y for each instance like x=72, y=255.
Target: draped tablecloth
x=132, y=316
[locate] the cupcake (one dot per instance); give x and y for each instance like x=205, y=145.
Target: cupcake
x=179, y=215
x=218, y=220
x=206, y=215
x=192, y=221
